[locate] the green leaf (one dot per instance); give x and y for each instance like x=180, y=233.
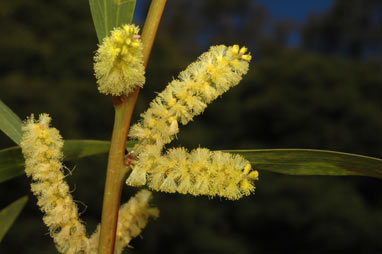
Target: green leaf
x=10, y=123
x=75, y=149
x=9, y=214
x=108, y=14
x=312, y=162
x=11, y=163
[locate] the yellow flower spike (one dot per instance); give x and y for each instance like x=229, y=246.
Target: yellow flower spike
x=202, y=82
x=118, y=63
x=200, y=172
x=41, y=146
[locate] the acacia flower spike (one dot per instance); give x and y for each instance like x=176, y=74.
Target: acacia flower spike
x=119, y=62
x=41, y=146
x=202, y=82
x=200, y=172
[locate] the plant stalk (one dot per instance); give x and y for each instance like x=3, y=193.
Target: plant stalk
x=116, y=169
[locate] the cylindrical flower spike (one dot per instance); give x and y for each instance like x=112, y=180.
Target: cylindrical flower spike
x=119, y=62
x=200, y=172
x=41, y=146
x=133, y=217
x=203, y=81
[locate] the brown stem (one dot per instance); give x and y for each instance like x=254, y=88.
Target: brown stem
x=114, y=179
x=116, y=170
x=151, y=27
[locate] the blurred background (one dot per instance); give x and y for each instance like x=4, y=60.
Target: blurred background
x=315, y=81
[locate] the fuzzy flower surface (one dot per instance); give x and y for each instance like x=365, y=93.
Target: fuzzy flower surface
x=118, y=63
x=213, y=74
x=133, y=217
x=41, y=146
x=199, y=172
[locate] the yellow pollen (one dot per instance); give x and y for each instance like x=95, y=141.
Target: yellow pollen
x=247, y=168
x=235, y=49
x=124, y=50
x=164, y=113
x=246, y=57
x=243, y=50
x=171, y=102
x=135, y=44
x=147, y=132
x=245, y=185
x=254, y=175
x=220, y=60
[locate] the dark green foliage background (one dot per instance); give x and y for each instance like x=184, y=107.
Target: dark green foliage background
x=300, y=98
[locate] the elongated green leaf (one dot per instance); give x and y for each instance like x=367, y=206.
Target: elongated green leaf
x=10, y=123
x=12, y=160
x=312, y=162
x=108, y=14
x=11, y=163
x=75, y=149
x=9, y=214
